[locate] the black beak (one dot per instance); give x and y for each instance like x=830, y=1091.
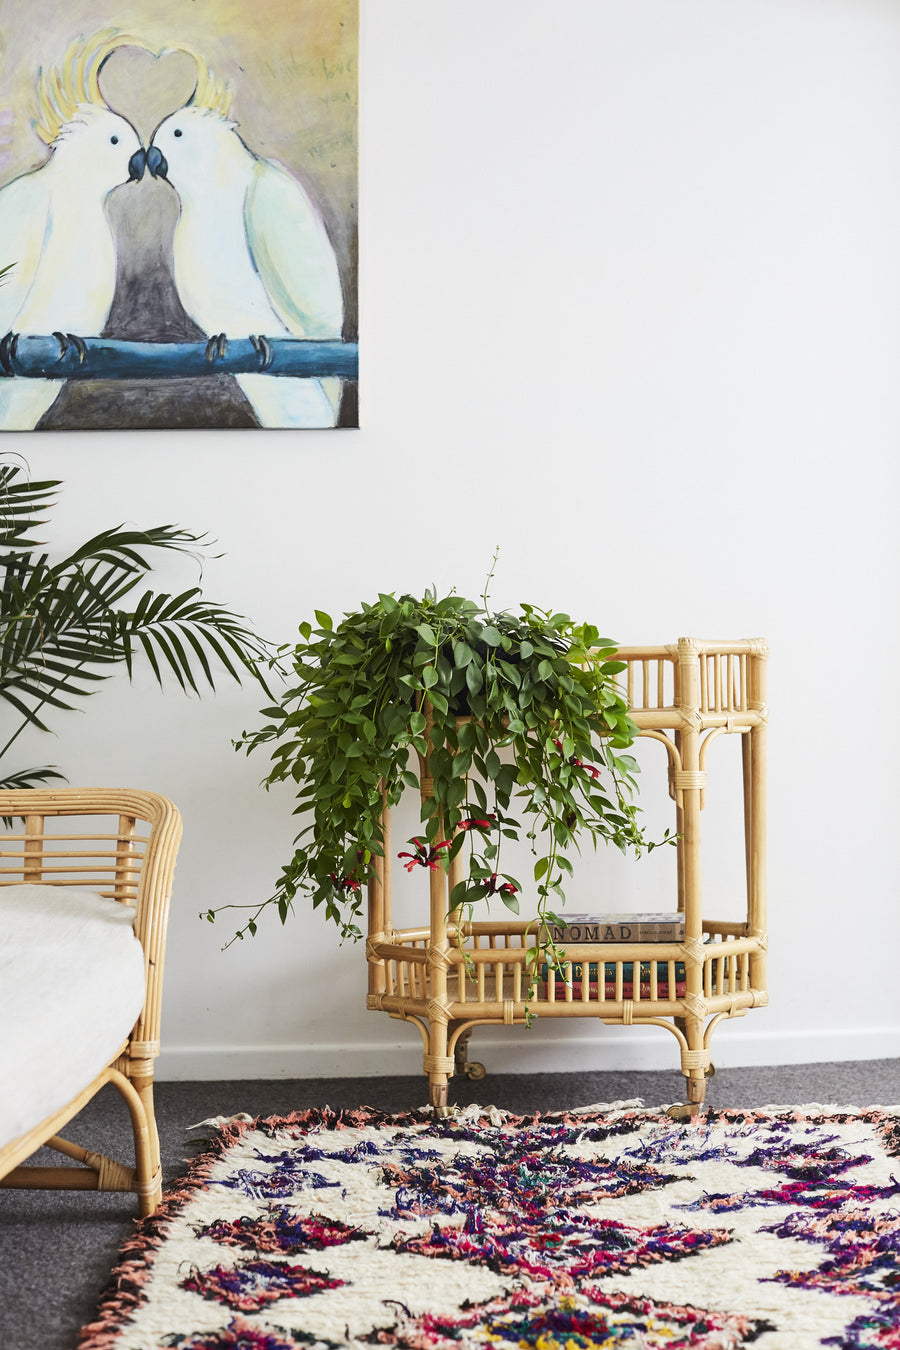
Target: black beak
x=136, y=165
x=156, y=162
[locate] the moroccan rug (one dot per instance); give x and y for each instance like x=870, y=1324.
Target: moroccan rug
x=616, y=1227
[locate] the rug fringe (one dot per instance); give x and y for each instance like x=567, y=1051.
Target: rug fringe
x=218, y=1121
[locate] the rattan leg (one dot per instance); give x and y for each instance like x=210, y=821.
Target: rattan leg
x=438, y=1065
x=694, y=1063
x=144, y=1085
x=140, y=1073
x=696, y=1091
x=148, y=1171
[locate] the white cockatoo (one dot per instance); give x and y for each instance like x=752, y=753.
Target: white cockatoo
x=53, y=224
x=252, y=257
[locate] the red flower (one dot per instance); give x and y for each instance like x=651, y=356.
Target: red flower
x=473, y=823
x=424, y=857
x=505, y=888
x=348, y=884
x=579, y=763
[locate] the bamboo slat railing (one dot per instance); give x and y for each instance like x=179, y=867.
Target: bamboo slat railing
x=448, y=977
x=123, y=844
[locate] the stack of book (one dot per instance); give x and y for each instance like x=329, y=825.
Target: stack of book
x=572, y=976
x=594, y=928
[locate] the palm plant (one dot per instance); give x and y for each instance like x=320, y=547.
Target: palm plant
x=65, y=626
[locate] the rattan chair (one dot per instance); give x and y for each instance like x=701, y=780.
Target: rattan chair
x=121, y=844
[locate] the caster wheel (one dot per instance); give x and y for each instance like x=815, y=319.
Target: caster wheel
x=678, y=1112
x=475, y=1071
x=710, y=1072
x=686, y=1111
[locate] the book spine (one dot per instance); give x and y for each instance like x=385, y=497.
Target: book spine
x=617, y=932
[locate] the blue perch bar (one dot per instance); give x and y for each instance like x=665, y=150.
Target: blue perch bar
x=64, y=358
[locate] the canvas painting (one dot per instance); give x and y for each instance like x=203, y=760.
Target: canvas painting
x=178, y=214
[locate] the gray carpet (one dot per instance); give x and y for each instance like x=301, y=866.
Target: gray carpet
x=57, y=1248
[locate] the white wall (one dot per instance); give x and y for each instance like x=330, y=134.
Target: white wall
x=631, y=279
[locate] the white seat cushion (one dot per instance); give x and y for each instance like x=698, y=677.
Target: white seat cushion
x=71, y=989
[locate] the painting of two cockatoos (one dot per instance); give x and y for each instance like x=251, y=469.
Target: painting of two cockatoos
x=250, y=254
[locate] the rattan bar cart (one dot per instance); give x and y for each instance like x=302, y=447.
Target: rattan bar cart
x=451, y=975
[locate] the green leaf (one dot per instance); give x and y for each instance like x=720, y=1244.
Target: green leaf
x=324, y=620
x=458, y=841
x=459, y=895
x=466, y=736
x=438, y=701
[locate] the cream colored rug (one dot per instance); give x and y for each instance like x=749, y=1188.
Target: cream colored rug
x=605, y=1227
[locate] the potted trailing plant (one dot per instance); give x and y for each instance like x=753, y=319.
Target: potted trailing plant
x=66, y=624
x=521, y=722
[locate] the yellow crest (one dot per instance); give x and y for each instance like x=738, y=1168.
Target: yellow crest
x=75, y=83
x=210, y=94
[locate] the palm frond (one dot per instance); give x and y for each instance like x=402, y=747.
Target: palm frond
x=163, y=623
x=122, y=547
x=21, y=500
x=30, y=778
x=64, y=624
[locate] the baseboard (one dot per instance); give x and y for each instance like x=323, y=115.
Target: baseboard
x=526, y=1051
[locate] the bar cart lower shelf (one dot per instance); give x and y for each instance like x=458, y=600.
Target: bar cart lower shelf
x=449, y=977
